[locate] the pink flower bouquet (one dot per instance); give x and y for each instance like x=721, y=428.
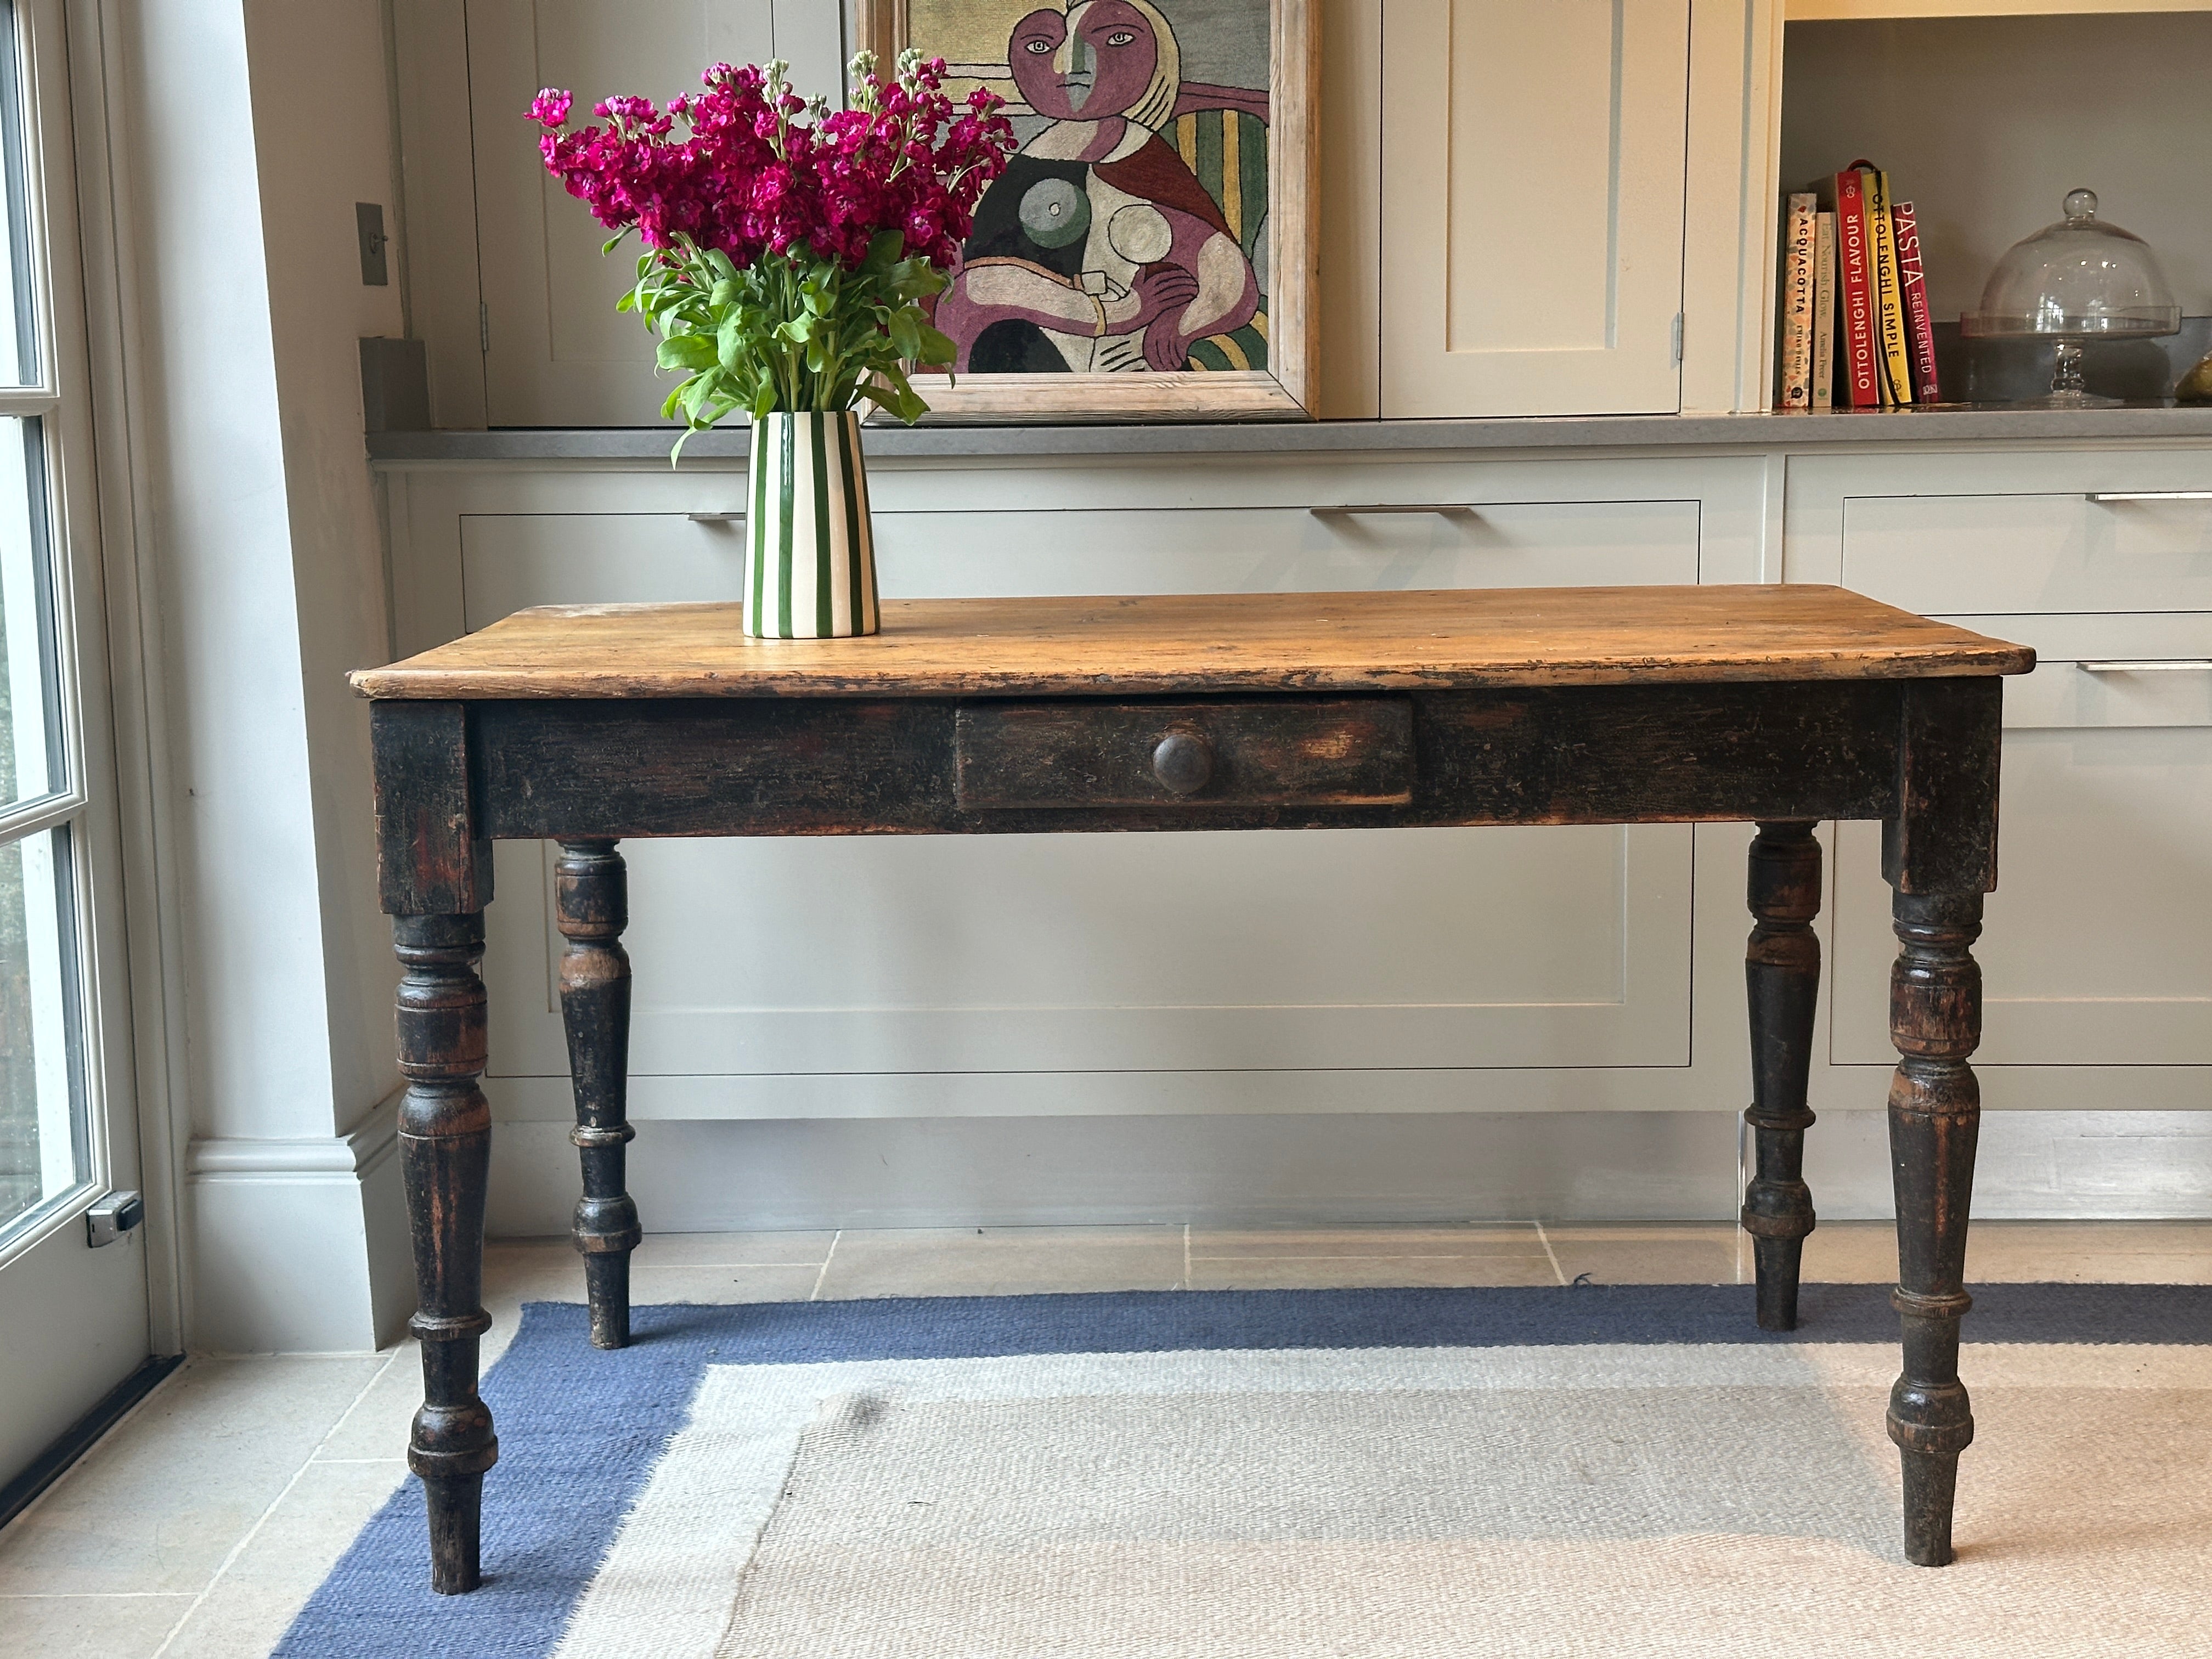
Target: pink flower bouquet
x=789, y=247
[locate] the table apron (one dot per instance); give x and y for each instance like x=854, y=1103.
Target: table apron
x=1613, y=754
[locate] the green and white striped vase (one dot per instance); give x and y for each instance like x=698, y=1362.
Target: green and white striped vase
x=810, y=558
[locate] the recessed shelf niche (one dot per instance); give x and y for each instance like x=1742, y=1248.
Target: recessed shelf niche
x=1986, y=122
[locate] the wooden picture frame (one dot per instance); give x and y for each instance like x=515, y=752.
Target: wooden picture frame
x=1286, y=387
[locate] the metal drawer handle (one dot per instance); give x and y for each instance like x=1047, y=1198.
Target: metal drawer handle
x=714, y=518
x=1182, y=762
x=2161, y=666
x=2151, y=495
x=1449, y=509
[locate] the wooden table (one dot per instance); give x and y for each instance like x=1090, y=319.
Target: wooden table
x=1780, y=705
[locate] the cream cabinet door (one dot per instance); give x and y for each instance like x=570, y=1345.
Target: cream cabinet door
x=556, y=353
x=1533, y=175
x=2096, y=952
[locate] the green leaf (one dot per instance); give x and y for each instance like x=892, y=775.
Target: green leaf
x=882, y=253
x=936, y=347
x=910, y=408
x=916, y=279
x=905, y=403
x=687, y=352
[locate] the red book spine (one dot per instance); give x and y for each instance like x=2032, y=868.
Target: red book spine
x=1919, y=326
x=1854, y=266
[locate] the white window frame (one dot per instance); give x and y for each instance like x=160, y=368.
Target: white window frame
x=100, y=647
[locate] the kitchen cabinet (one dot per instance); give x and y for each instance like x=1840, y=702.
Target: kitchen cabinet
x=2098, y=980
x=1140, y=956
x=1533, y=169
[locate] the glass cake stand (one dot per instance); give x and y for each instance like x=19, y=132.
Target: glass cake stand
x=2078, y=280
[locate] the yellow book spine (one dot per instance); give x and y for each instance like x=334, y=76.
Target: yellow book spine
x=1889, y=308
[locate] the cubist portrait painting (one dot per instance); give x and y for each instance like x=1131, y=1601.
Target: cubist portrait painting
x=1129, y=233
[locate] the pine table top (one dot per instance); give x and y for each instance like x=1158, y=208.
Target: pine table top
x=1198, y=644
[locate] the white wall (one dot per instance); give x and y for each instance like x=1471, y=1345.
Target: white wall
x=246, y=133
x=322, y=127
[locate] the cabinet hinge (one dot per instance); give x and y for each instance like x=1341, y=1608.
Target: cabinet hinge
x=484, y=331
x=1674, y=339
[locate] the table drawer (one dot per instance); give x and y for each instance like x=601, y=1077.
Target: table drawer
x=2006, y=555
x=1307, y=751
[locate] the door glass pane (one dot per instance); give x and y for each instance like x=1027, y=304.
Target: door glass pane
x=19, y=332
x=43, y=1152
x=30, y=713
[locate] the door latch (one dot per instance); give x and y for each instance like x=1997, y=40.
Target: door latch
x=112, y=1217
x=368, y=231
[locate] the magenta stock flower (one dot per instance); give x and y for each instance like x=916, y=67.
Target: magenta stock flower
x=740, y=169
x=793, y=250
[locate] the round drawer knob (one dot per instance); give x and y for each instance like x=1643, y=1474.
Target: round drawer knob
x=1182, y=762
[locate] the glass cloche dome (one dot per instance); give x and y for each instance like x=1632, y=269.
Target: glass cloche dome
x=2080, y=279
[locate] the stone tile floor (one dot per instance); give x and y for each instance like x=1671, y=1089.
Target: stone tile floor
x=202, y=1522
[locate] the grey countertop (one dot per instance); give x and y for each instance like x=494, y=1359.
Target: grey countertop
x=1761, y=431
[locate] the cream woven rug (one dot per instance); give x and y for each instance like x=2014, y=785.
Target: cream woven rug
x=1492, y=1502
x=1452, y=1501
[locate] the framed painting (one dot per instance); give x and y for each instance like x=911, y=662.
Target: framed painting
x=1150, y=251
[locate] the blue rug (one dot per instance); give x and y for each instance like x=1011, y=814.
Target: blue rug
x=583, y=1433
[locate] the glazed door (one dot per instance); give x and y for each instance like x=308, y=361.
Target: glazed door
x=75, y=1316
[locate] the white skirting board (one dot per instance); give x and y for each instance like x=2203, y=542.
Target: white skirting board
x=299, y=1245
x=697, y=1175
x=2028, y=1166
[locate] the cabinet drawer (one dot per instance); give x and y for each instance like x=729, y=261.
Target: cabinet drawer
x=1952, y=554
x=510, y=560
x=2098, y=671
x=1310, y=751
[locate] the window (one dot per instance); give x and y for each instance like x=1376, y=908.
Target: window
x=44, y=1140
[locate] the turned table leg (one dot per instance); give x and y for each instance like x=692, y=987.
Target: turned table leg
x=592, y=907
x=1781, y=975
x=1940, y=856
x=1935, y=1110
x=445, y=1152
